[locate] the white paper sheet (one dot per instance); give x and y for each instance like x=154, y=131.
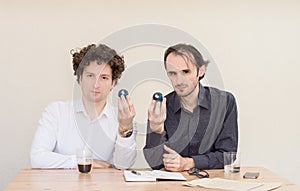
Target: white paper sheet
x=233, y=185
x=150, y=176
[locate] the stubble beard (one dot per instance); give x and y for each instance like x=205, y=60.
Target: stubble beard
x=187, y=94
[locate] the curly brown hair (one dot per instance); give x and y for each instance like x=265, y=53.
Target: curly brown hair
x=101, y=54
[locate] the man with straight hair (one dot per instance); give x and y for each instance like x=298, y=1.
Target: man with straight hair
x=194, y=124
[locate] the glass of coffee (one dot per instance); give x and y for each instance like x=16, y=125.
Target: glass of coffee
x=84, y=160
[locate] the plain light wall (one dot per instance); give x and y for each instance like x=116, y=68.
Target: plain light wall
x=255, y=45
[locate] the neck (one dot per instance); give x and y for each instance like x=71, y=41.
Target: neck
x=94, y=109
x=190, y=101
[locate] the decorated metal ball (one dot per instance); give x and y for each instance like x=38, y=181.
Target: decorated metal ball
x=123, y=92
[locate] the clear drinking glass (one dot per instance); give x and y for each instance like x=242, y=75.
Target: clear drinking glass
x=232, y=162
x=84, y=160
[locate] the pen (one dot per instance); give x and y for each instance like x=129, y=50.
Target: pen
x=135, y=172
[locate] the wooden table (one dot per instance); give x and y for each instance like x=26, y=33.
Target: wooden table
x=112, y=179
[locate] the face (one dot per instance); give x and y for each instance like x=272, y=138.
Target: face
x=96, y=82
x=183, y=75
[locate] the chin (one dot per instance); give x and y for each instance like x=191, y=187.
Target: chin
x=97, y=100
x=180, y=93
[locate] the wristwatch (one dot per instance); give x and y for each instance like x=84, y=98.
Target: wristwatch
x=127, y=133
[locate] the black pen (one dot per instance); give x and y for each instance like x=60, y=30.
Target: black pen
x=135, y=172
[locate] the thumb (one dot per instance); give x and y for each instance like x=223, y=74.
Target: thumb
x=169, y=150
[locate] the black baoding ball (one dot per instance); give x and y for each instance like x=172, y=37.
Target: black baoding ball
x=157, y=96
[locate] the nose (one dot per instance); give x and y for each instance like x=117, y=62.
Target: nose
x=97, y=83
x=180, y=78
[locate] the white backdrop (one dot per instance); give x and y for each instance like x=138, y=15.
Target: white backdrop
x=255, y=45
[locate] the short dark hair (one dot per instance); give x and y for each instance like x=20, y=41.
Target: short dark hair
x=102, y=54
x=189, y=52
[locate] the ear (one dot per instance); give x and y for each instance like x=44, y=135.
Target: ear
x=79, y=80
x=202, y=70
x=113, y=83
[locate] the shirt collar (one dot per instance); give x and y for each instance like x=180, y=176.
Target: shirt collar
x=79, y=107
x=202, y=99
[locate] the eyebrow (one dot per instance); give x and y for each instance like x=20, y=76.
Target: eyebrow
x=96, y=74
x=105, y=75
x=88, y=72
x=183, y=70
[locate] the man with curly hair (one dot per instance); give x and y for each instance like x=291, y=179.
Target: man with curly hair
x=90, y=121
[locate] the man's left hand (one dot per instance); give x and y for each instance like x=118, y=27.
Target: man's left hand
x=126, y=113
x=176, y=163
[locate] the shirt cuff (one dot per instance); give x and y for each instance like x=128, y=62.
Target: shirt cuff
x=126, y=141
x=201, y=162
x=156, y=139
x=73, y=161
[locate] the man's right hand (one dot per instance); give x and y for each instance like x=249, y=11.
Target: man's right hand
x=101, y=164
x=157, y=115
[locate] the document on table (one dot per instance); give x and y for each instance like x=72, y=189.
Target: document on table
x=151, y=176
x=233, y=185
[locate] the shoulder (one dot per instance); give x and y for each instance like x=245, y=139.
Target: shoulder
x=171, y=96
x=221, y=95
x=59, y=106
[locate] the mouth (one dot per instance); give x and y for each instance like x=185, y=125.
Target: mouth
x=95, y=92
x=181, y=87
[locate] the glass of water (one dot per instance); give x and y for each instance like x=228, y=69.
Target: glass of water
x=232, y=162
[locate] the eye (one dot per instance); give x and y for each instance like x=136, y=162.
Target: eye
x=171, y=73
x=89, y=75
x=187, y=71
x=105, y=78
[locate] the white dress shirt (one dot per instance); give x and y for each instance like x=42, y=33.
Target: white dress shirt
x=65, y=127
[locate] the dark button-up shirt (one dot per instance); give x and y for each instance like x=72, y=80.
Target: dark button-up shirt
x=214, y=131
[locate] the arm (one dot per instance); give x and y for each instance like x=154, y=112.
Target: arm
x=227, y=139
x=153, y=150
x=125, y=151
x=156, y=135
x=125, y=147
x=224, y=140
x=45, y=140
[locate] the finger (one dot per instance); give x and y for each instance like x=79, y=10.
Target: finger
x=131, y=106
x=163, y=107
x=125, y=105
x=171, y=158
x=157, y=109
x=151, y=107
x=171, y=167
x=120, y=106
x=167, y=157
x=169, y=150
x=101, y=164
x=124, y=102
